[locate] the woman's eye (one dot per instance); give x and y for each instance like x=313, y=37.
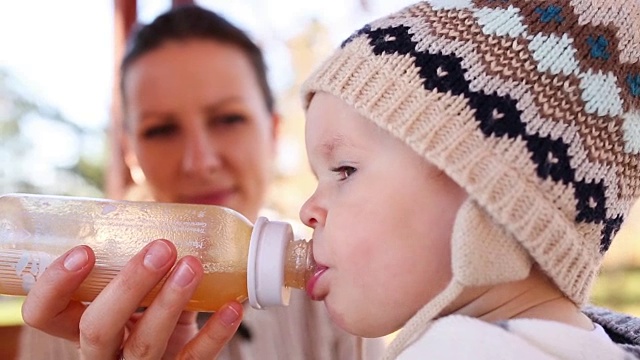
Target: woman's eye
x=344, y=172
x=230, y=119
x=159, y=131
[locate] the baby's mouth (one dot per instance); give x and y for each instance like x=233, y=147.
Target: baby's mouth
x=312, y=282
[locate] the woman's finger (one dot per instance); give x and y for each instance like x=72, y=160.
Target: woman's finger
x=102, y=327
x=215, y=334
x=149, y=338
x=49, y=306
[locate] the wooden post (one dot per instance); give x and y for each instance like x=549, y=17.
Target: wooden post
x=117, y=174
x=175, y=3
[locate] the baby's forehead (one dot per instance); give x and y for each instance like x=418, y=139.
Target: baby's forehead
x=334, y=117
x=329, y=144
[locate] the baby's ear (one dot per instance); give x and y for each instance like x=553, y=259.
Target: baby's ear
x=483, y=252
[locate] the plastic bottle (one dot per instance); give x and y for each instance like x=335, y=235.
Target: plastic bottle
x=260, y=262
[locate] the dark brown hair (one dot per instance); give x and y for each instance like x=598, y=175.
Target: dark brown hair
x=194, y=22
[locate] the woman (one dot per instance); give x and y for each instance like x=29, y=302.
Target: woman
x=201, y=127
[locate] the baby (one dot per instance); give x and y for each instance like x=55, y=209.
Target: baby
x=474, y=161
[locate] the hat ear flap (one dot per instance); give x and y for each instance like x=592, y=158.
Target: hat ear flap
x=483, y=251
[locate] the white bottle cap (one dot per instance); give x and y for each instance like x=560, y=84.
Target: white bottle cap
x=265, y=266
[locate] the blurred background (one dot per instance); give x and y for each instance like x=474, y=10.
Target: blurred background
x=59, y=108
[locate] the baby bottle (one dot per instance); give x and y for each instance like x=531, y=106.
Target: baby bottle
x=260, y=261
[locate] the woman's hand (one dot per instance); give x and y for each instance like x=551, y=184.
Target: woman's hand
x=109, y=327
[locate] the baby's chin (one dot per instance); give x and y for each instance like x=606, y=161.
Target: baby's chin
x=372, y=327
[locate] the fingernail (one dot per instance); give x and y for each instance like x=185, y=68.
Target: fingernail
x=76, y=259
x=183, y=275
x=229, y=315
x=157, y=255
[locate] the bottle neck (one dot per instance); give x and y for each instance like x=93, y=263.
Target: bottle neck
x=299, y=264
x=276, y=263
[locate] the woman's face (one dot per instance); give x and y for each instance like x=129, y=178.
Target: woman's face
x=198, y=125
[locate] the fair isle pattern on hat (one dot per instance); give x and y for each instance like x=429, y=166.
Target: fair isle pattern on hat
x=531, y=106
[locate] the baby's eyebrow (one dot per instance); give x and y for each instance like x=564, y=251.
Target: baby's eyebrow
x=329, y=146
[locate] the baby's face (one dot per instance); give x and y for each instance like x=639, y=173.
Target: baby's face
x=382, y=219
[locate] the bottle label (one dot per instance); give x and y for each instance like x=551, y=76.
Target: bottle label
x=30, y=266
x=20, y=269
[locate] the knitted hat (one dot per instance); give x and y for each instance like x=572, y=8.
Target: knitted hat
x=531, y=106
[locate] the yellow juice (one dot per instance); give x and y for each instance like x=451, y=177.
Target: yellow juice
x=217, y=289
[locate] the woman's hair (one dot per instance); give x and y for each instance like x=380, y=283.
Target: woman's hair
x=193, y=22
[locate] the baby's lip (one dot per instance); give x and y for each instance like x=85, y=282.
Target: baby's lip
x=320, y=269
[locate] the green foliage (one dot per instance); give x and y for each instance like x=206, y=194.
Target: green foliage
x=619, y=289
x=91, y=171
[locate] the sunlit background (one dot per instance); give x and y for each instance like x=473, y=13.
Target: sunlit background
x=56, y=68
x=56, y=76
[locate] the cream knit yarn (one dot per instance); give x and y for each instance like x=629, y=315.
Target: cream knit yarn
x=531, y=106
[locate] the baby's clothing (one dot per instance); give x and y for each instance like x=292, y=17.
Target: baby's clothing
x=599, y=332
x=623, y=329
x=462, y=337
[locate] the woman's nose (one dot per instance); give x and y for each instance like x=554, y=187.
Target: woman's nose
x=201, y=154
x=312, y=213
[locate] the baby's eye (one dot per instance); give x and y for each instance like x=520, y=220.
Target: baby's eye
x=344, y=172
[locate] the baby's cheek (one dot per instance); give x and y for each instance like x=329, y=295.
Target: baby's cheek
x=360, y=254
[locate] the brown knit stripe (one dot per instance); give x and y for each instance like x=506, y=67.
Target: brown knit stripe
x=614, y=19
x=629, y=33
x=620, y=14
x=600, y=159
x=616, y=24
x=625, y=70
x=531, y=18
x=628, y=39
x=583, y=35
x=617, y=15
x=417, y=11
x=492, y=4
x=511, y=59
x=576, y=28
x=569, y=92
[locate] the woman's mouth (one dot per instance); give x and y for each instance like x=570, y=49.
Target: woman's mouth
x=220, y=197
x=311, y=284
